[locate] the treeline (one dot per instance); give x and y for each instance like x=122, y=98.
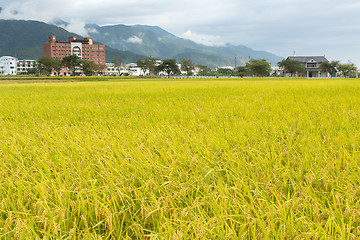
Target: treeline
x=261, y=68
x=171, y=67
x=151, y=66
x=72, y=63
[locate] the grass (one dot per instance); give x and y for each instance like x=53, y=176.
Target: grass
x=180, y=159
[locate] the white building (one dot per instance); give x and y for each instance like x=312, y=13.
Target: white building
x=124, y=70
x=225, y=68
x=7, y=65
x=132, y=69
x=24, y=65
x=111, y=70
x=276, y=71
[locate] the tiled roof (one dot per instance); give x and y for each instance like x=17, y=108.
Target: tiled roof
x=304, y=59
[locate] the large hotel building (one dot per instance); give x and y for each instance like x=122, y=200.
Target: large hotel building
x=84, y=49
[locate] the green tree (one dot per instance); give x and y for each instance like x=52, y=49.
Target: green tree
x=143, y=64
x=101, y=69
x=204, y=70
x=225, y=72
x=187, y=65
x=330, y=67
x=169, y=66
x=71, y=62
x=89, y=67
x=241, y=71
x=151, y=62
x=291, y=66
x=118, y=62
x=45, y=65
x=347, y=69
x=147, y=64
x=57, y=65
x=32, y=71
x=260, y=68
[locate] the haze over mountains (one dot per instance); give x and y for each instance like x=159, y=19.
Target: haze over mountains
x=24, y=39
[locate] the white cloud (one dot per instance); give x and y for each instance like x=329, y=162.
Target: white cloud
x=134, y=39
x=77, y=26
x=208, y=40
x=92, y=30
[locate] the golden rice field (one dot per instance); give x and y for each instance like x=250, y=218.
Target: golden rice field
x=180, y=159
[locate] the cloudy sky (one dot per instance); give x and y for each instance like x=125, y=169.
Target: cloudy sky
x=306, y=27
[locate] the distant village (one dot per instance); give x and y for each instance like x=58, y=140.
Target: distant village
x=92, y=62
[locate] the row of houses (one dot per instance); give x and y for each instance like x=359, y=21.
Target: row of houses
x=132, y=69
x=12, y=66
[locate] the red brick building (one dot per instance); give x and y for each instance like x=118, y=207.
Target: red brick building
x=84, y=49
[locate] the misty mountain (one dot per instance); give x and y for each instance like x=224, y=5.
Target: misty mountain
x=157, y=30
x=24, y=39
x=59, y=22
x=156, y=42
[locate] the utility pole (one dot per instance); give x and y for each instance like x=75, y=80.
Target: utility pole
x=235, y=62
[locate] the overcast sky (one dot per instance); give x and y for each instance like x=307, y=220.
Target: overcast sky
x=308, y=27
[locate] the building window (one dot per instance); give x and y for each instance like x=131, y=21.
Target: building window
x=311, y=65
x=77, y=51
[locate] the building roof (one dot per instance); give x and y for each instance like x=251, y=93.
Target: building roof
x=7, y=57
x=304, y=59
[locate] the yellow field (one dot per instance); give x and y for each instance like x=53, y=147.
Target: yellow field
x=180, y=159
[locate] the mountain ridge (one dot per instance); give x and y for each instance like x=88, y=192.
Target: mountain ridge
x=129, y=42
x=157, y=42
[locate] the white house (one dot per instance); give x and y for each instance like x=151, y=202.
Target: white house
x=112, y=70
x=276, y=71
x=312, y=66
x=24, y=65
x=134, y=70
x=7, y=65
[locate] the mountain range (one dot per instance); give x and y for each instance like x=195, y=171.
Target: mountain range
x=23, y=39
